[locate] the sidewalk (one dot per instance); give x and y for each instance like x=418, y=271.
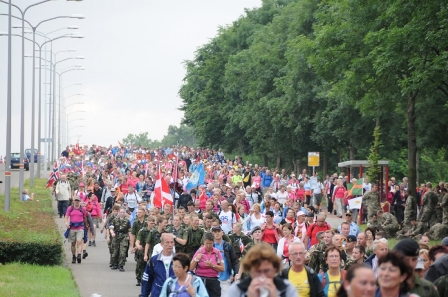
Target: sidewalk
x=93, y=275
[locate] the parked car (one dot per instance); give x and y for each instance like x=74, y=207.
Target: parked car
x=15, y=161
x=28, y=154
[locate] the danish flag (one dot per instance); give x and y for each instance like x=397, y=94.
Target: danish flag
x=161, y=192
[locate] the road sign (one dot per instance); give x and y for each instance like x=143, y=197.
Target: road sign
x=46, y=140
x=313, y=159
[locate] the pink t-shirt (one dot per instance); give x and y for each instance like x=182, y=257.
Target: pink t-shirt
x=76, y=216
x=214, y=256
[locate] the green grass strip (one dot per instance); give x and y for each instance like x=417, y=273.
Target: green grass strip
x=17, y=280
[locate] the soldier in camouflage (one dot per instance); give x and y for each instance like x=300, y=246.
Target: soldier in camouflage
x=154, y=237
x=316, y=253
x=238, y=239
x=388, y=223
x=444, y=206
x=372, y=200
x=180, y=235
x=358, y=256
x=110, y=218
x=408, y=230
x=438, y=231
x=429, y=203
x=140, y=244
x=120, y=235
x=194, y=235
x=410, y=210
x=137, y=225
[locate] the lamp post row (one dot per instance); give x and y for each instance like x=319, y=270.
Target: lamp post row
x=22, y=116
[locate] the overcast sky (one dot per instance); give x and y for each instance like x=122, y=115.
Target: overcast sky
x=133, y=52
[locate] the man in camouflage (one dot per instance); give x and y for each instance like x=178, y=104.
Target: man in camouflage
x=113, y=214
x=410, y=210
x=137, y=225
x=444, y=206
x=316, y=253
x=408, y=230
x=429, y=203
x=180, y=235
x=372, y=200
x=374, y=222
x=140, y=244
x=194, y=236
x=120, y=235
x=154, y=237
x=388, y=223
x=438, y=231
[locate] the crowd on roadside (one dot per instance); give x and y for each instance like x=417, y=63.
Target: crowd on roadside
x=246, y=229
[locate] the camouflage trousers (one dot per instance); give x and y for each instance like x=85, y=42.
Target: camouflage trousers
x=437, y=232
x=390, y=230
x=140, y=264
x=119, y=249
x=109, y=245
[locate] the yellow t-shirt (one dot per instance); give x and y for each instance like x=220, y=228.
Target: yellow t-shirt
x=334, y=282
x=300, y=281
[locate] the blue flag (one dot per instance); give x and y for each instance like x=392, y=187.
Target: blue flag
x=197, y=178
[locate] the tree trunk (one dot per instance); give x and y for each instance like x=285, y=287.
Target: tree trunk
x=352, y=150
x=265, y=160
x=412, y=144
x=278, y=163
x=325, y=165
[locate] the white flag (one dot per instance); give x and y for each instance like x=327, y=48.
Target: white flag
x=355, y=203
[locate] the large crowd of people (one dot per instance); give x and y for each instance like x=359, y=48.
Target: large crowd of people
x=248, y=230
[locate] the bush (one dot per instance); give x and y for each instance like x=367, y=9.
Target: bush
x=28, y=231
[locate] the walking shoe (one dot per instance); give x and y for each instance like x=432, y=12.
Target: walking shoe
x=74, y=259
x=110, y=265
x=79, y=258
x=114, y=267
x=93, y=243
x=121, y=269
x=138, y=284
x=84, y=255
x=90, y=243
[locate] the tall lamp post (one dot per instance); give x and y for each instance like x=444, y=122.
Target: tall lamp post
x=22, y=109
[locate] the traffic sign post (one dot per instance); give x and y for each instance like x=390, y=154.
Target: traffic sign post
x=313, y=160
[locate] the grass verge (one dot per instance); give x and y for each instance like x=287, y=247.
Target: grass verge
x=28, y=232
x=17, y=280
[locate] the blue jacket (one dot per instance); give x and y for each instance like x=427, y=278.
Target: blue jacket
x=201, y=291
x=266, y=181
x=155, y=276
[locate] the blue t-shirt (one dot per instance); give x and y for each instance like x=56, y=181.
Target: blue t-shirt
x=222, y=276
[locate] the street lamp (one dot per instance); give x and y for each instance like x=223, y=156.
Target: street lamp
x=22, y=110
x=73, y=104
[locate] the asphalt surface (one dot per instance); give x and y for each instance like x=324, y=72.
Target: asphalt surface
x=15, y=177
x=93, y=275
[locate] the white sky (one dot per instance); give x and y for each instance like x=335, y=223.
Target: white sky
x=133, y=52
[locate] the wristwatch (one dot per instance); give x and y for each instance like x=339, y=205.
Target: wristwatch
x=175, y=236
x=196, y=259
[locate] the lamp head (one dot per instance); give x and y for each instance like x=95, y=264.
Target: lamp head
x=77, y=16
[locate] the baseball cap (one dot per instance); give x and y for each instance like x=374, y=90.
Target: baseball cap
x=420, y=264
x=113, y=189
x=216, y=228
x=81, y=185
x=76, y=198
x=351, y=238
x=445, y=241
x=348, y=213
x=408, y=247
x=300, y=213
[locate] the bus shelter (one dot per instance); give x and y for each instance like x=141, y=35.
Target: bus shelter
x=359, y=165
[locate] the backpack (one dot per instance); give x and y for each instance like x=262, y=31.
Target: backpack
x=324, y=278
x=83, y=214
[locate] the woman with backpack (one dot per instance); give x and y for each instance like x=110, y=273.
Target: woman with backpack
x=185, y=283
x=332, y=279
x=94, y=208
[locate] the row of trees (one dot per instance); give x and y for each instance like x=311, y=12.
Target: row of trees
x=295, y=76
x=182, y=135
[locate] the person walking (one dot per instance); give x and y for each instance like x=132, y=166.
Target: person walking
x=159, y=268
x=120, y=231
x=76, y=220
x=63, y=194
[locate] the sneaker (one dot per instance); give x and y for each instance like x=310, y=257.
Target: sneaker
x=138, y=284
x=90, y=243
x=79, y=258
x=121, y=269
x=114, y=267
x=93, y=243
x=74, y=259
x=84, y=255
x=110, y=265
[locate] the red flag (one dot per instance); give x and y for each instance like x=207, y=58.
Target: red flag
x=162, y=193
x=54, y=176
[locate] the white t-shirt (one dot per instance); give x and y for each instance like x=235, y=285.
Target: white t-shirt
x=254, y=222
x=158, y=249
x=227, y=220
x=318, y=188
x=166, y=262
x=282, y=197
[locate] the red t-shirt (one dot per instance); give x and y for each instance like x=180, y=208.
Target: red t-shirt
x=269, y=236
x=313, y=229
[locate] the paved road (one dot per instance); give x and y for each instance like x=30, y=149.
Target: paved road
x=93, y=275
x=15, y=177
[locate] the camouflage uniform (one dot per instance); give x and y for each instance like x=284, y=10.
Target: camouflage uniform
x=423, y=288
x=141, y=237
x=109, y=220
x=438, y=231
x=407, y=231
x=439, y=209
x=429, y=203
x=138, y=256
x=444, y=206
x=194, y=241
x=410, y=211
x=120, y=242
x=180, y=233
x=372, y=200
x=316, y=256
x=153, y=238
x=72, y=180
x=235, y=240
x=389, y=224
